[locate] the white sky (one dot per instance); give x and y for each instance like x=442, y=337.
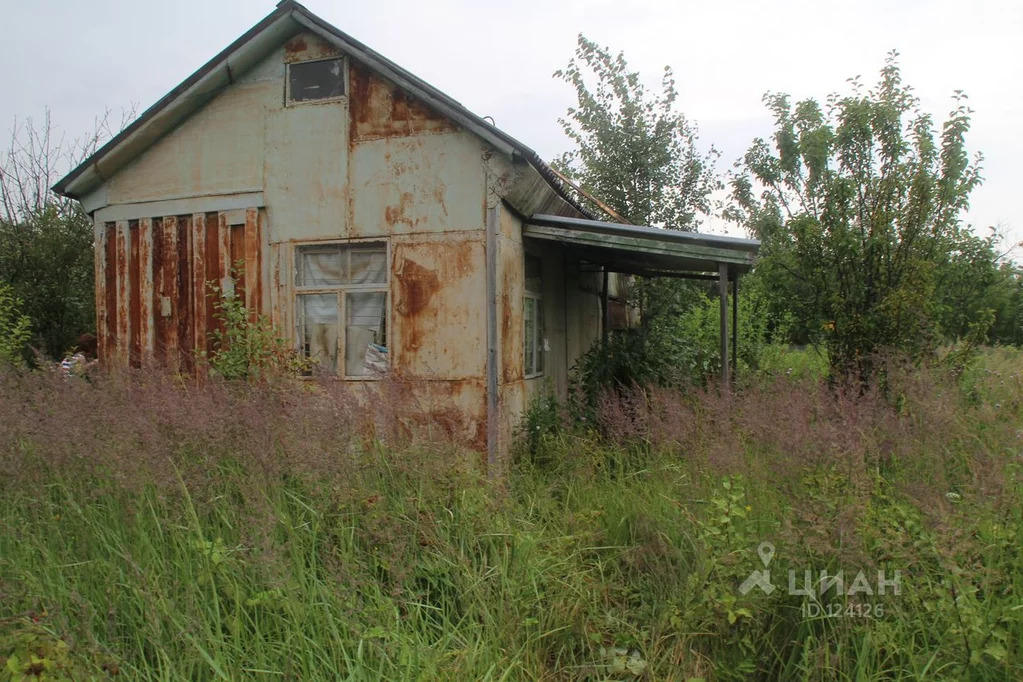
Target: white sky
x=81, y=58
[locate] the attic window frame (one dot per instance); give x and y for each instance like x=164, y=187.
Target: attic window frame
x=289, y=102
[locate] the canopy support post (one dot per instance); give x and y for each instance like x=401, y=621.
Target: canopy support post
x=735, y=325
x=723, y=297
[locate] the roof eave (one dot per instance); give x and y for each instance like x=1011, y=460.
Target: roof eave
x=177, y=104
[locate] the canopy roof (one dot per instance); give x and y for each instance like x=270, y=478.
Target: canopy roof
x=642, y=250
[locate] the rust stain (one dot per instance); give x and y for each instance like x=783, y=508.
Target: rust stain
x=511, y=341
x=252, y=270
x=417, y=286
x=134, y=296
x=198, y=269
x=146, y=341
x=165, y=272
x=396, y=215
x=306, y=47
x=381, y=110
x=186, y=315
x=123, y=293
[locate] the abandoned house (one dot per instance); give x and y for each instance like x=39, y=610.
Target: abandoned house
x=375, y=220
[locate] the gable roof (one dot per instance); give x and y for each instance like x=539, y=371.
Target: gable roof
x=202, y=86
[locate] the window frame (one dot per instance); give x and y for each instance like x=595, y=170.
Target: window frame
x=340, y=291
x=539, y=360
x=289, y=102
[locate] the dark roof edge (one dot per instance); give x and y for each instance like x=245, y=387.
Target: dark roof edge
x=645, y=232
x=479, y=126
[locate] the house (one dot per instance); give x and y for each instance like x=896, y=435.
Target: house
x=375, y=220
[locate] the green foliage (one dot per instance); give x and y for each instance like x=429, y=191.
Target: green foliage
x=15, y=328
x=679, y=343
x=46, y=253
x=33, y=250
x=401, y=563
x=634, y=150
x=246, y=345
x=638, y=154
x=859, y=206
x=411, y=565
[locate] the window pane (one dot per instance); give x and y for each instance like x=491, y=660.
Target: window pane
x=316, y=80
x=318, y=328
x=533, y=282
x=321, y=266
x=529, y=307
x=366, y=333
x=369, y=266
x=539, y=336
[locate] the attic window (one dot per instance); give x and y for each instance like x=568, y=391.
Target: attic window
x=319, y=80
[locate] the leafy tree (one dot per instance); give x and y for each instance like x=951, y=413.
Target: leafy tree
x=46, y=254
x=637, y=153
x=859, y=205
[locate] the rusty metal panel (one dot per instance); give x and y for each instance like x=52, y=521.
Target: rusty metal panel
x=428, y=183
x=198, y=270
x=223, y=252
x=166, y=306
x=278, y=284
x=511, y=285
x=379, y=109
x=99, y=272
x=134, y=297
x=122, y=287
x=306, y=167
x=145, y=291
x=252, y=271
x=438, y=290
x=307, y=47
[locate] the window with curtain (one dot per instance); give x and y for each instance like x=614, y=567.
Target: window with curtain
x=341, y=307
x=532, y=316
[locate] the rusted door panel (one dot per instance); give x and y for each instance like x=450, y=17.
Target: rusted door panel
x=154, y=278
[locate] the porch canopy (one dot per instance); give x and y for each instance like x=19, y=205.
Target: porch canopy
x=655, y=252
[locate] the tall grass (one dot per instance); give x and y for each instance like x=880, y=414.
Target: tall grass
x=156, y=530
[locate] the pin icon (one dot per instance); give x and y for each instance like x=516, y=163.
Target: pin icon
x=766, y=552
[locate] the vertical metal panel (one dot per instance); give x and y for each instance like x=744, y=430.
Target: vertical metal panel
x=198, y=253
x=122, y=284
x=224, y=252
x=134, y=295
x=99, y=254
x=167, y=307
x=276, y=283
x=186, y=299
x=214, y=275
x=253, y=278
x=145, y=260
x=109, y=330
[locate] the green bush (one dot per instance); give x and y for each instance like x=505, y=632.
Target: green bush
x=15, y=328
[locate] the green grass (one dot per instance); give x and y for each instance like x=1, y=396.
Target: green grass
x=592, y=560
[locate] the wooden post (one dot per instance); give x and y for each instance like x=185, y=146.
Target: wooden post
x=603, y=312
x=723, y=296
x=735, y=325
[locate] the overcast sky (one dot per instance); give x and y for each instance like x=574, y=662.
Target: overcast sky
x=81, y=58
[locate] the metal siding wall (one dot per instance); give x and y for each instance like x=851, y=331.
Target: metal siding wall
x=154, y=304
